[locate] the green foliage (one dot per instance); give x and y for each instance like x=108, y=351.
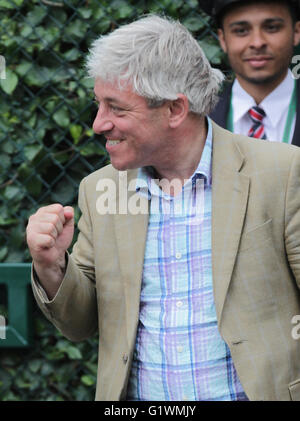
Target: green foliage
x=46, y=148
x=53, y=370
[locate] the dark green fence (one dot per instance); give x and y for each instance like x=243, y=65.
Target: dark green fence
x=46, y=147
x=46, y=142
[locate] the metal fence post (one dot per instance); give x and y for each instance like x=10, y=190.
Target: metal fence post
x=17, y=331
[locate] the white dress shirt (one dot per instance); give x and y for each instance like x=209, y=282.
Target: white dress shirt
x=275, y=105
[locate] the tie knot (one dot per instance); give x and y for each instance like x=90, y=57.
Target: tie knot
x=257, y=114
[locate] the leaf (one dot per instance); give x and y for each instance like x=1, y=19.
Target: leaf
x=88, y=380
x=85, y=12
x=72, y=55
x=14, y=257
x=9, y=84
x=193, y=23
x=34, y=186
x=23, y=68
x=5, y=161
x=76, y=29
x=8, y=221
x=212, y=52
x=63, y=192
x=73, y=353
x=93, y=368
x=35, y=365
x=89, y=132
x=8, y=147
x=11, y=192
x=3, y=253
x=92, y=149
x=61, y=117
x=31, y=151
x=10, y=4
x=76, y=131
x=35, y=17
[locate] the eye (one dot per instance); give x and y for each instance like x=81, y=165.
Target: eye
x=116, y=110
x=240, y=31
x=273, y=28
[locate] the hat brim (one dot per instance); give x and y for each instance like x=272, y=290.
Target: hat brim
x=214, y=7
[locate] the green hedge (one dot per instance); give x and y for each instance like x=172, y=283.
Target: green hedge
x=46, y=148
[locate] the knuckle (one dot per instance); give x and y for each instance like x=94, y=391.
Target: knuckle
x=57, y=207
x=48, y=228
x=55, y=219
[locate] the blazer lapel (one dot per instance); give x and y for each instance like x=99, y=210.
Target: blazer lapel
x=230, y=191
x=131, y=232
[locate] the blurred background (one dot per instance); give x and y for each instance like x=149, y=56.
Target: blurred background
x=46, y=147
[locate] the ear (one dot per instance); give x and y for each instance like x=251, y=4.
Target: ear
x=222, y=42
x=178, y=110
x=297, y=33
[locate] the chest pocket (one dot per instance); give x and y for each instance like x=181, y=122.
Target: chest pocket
x=257, y=236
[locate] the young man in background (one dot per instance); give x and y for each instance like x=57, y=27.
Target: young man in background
x=259, y=38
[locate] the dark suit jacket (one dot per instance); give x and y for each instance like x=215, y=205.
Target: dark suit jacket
x=220, y=113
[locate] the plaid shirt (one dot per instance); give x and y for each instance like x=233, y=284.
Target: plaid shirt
x=179, y=353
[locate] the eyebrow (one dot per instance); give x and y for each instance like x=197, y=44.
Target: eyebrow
x=109, y=99
x=115, y=102
x=245, y=22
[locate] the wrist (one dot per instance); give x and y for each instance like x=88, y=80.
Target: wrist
x=51, y=276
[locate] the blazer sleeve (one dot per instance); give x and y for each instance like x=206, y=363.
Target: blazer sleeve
x=292, y=216
x=73, y=310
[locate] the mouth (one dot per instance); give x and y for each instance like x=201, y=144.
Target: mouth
x=258, y=61
x=113, y=142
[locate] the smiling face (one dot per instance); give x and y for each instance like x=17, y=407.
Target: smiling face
x=259, y=40
x=136, y=134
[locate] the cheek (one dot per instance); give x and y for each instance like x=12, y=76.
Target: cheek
x=234, y=55
x=236, y=48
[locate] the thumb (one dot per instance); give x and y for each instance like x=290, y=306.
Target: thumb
x=69, y=215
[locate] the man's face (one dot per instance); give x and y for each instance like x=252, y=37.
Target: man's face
x=259, y=40
x=143, y=132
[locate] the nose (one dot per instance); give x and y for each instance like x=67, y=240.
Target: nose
x=257, y=39
x=102, y=122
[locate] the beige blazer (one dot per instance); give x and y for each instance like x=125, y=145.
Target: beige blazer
x=255, y=260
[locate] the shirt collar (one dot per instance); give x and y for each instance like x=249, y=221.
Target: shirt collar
x=274, y=105
x=204, y=169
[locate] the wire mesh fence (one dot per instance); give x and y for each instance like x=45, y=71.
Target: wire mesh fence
x=46, y=142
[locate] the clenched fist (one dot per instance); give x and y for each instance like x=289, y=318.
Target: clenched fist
x=49, y=234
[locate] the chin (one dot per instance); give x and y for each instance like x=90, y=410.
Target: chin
x=123, y=166
x=260, y=80
x=261, y=77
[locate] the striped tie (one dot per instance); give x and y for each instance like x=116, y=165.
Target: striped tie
x=257, y=115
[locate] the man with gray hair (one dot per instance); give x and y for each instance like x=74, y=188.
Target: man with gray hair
x=190, y=304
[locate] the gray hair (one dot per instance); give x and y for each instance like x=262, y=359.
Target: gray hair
x=159, y=58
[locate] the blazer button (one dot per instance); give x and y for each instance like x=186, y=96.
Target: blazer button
x=125, y=358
